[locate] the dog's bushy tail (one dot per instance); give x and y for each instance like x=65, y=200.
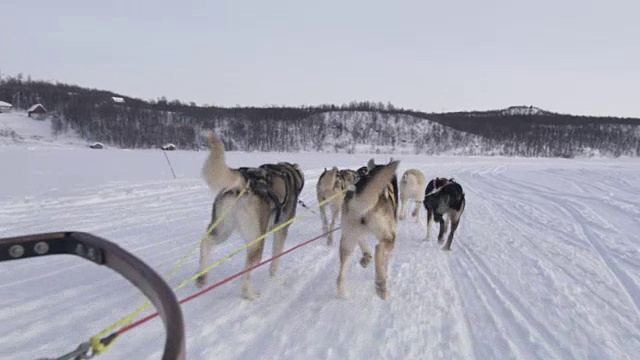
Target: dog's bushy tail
x=215, y=170
x=327, y=181
x=369, y=189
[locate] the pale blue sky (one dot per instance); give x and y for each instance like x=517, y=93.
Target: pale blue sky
x=573, y=56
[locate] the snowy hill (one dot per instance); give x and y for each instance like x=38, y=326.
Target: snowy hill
x=382, y=133
x=17, y=129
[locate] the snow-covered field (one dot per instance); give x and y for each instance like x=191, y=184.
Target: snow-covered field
x=545, y=264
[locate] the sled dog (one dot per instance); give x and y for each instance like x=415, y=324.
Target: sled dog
x=412, y=185
x=444, y=197
x=333, y=182
x=370, y=207
x=271, y=199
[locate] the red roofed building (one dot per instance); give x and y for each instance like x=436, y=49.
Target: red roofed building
x=37, y=112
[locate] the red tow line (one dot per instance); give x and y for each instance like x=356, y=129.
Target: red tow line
x=220, y=283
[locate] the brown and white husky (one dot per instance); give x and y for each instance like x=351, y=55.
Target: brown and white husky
x=370, y=209
x=333, y=182
x=271, y=199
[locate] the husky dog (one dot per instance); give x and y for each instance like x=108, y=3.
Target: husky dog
x=444, y=197
x=412, y=185
x=271, y=199
x=370, y=208
x=333, y=182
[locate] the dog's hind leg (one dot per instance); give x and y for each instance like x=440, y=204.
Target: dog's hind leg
x=404, y=198
x=335, y=211
x=251, y=230
x=384, y=249
x=254, y=255
x=279, y=238
x=348, y=241
x=217, y=236
x=455, y=220
x=429, y=223
x=443, y=229
x=419, y=218
x=416, y=211
x=323, y=216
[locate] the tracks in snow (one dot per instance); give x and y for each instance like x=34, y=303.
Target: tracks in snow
x=538, y=270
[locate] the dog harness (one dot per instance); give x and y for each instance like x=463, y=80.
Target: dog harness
x=260, y=180
x=435, y=185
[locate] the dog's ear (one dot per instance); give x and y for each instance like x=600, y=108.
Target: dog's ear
x=395, y=164
x=371, y=164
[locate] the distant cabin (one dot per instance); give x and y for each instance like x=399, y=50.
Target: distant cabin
x=5, y=107
x=168, y=147
x=97, y=146
x=117, y=100
x=37, y=112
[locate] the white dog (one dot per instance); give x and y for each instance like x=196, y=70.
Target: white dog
x=412, y=185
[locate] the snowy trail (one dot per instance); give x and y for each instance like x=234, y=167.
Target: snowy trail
x=545, y=265
x=567, y=268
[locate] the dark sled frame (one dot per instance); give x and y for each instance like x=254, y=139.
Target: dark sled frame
x=104, y=252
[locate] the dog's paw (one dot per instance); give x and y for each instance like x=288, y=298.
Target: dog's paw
x=273, y=269
x=365, y=260
x=446, y=248
x=381, y=289
x=201, y=281
x=249, y=294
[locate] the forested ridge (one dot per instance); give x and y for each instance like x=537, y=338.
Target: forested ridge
x=354, y=127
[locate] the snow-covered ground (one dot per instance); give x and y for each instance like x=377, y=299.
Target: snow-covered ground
x=545, y=264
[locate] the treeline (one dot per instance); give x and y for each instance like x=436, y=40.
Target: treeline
x=550, y=134
x=354, y=127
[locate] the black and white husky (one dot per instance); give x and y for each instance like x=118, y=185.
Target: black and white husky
x=271, y=199
x=444, y=197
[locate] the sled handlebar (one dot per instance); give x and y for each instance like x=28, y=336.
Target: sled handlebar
x=104, y=252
